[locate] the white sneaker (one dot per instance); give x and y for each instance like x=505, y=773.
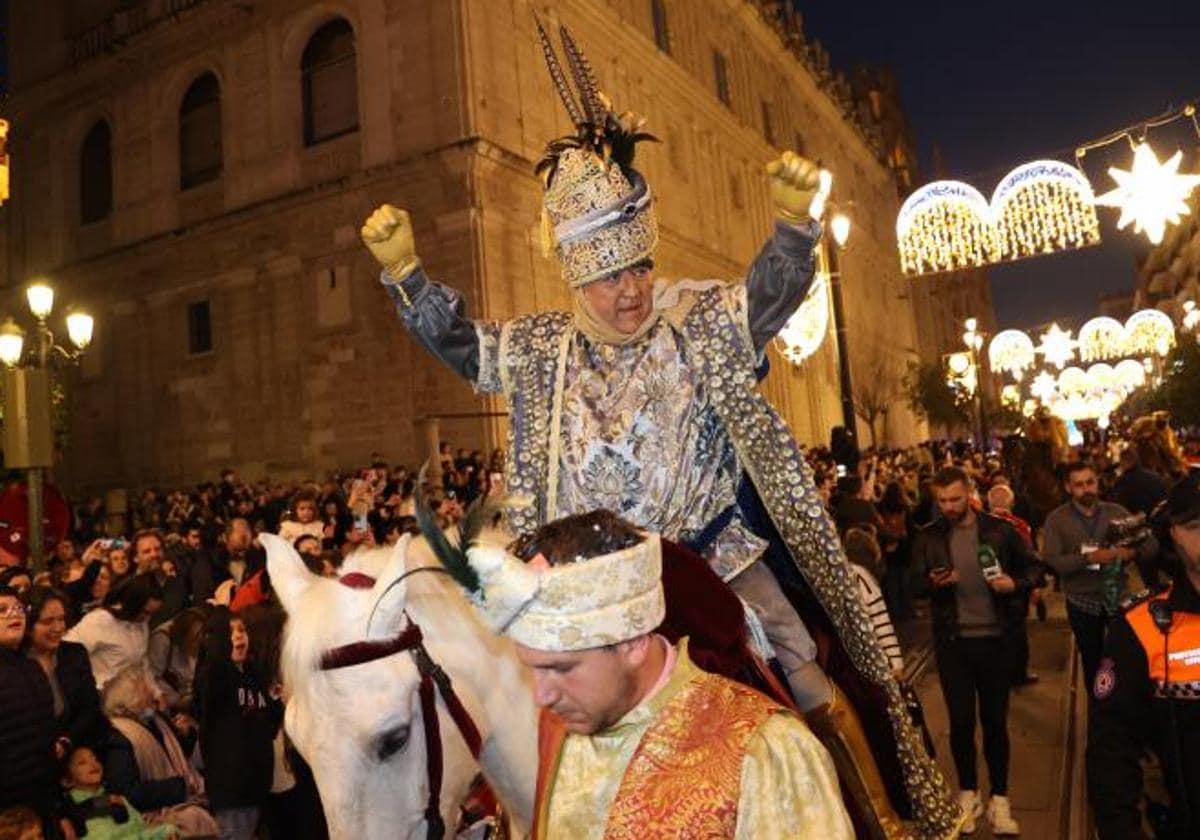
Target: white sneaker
x=971, y=807
x=1000, y=816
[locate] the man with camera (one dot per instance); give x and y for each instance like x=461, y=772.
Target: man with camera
x=1147, y=687
x=979, y=572
x=1086, y=544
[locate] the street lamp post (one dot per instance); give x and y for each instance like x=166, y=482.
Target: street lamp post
x=28, y=439
x=973, y=338
x=839, y=226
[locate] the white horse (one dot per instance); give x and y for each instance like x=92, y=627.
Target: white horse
x=361, y=728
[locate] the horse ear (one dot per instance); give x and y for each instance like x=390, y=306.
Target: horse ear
x=390, y=599
x=290, y=578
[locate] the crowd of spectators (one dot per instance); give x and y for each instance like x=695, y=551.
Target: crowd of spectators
x=139, y=681
x=139, y=677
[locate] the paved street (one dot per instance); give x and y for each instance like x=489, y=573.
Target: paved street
x=1038, y=726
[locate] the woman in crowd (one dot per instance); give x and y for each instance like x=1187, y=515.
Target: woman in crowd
x=78, y=718
x=146, y=757
x=172, y=653
x=89, y=590
x=239, y=717
x=116, y=635
x=27, y=760
x=18, y=579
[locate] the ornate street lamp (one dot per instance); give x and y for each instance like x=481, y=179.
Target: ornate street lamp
x=28, y=439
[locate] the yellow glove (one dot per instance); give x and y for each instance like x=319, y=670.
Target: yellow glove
x=798, y=188
x=388, y=234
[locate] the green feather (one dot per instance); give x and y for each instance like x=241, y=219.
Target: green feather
x=452, y=557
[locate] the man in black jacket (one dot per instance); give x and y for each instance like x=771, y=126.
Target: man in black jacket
x=979, y=571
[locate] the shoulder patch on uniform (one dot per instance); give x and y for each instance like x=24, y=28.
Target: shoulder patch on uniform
x=1106, y=678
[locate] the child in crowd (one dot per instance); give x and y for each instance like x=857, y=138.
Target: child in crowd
x=98, y=815
x=239, y=717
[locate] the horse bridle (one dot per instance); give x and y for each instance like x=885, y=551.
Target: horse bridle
x=432, y=677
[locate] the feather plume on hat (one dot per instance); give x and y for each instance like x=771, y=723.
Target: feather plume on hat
x=610, y=135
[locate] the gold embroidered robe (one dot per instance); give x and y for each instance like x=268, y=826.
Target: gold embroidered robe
x=703, y=758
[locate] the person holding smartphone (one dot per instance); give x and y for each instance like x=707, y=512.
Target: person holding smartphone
x=978, y=570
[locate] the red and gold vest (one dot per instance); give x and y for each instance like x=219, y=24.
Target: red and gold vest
x=684, y=779
x=1182, y=646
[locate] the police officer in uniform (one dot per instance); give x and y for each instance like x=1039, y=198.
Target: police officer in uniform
x=1147, y=688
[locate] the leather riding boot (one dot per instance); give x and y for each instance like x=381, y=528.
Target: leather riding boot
x=837, y=726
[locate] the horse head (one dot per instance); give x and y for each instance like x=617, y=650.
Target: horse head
x=355, y=710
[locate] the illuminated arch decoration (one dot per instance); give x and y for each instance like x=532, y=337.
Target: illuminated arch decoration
x=1149, y=332
x=1102, y=338
x=1130, y=374
x=943, y=226
x=1102, y=377
x=1041, y=208
x=1072, y=381
x=804, y=332
x=1012, y=352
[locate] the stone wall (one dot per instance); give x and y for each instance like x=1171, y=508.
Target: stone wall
x=309, y=368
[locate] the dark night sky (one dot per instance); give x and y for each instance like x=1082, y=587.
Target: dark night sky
x=995, y=84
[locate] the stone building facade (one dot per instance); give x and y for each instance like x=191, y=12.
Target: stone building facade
x=195, y=172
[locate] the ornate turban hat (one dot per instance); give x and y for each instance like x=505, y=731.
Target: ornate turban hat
x=586, y=604
x=597, y=210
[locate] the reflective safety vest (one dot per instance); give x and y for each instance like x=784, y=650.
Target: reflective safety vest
x=1175, y=665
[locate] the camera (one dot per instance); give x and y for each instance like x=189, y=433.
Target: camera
x=1127, y=532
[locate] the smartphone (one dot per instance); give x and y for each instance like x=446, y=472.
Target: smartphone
x=989, y=563
x=841, y=470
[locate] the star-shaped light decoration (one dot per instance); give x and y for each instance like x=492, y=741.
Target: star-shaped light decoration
x=1043, y=386
x=1150, y=194
x=1057, y=346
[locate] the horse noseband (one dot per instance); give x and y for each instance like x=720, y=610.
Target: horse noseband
x=434, y=680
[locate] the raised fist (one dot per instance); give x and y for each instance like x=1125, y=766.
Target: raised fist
x=388, y=234
x=798, y=188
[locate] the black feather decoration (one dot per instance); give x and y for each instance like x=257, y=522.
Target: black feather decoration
x=589, y=91
x=452, y=557
x=557, y=75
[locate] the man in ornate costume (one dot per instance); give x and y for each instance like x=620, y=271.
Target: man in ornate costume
x=634, y=740
x=643, y=401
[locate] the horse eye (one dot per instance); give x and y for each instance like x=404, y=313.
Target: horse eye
x=391, y=742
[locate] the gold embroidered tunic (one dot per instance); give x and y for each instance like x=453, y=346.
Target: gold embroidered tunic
x=784, y=784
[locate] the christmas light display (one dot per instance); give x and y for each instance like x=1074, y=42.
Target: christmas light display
x=1130, y=374
x=1057, y=346
x=1044, y=386
x=1043, y=207
x=804, y=332
x=1148, y=332
x=1150, y=194
x=943, y=226
x=1102, y=377
x=1072, y=381
x=1101, y=338
x=1012, y=352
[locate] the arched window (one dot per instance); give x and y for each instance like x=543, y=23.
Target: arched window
x=200, y=133
x=329, y=81
x=95, y=174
